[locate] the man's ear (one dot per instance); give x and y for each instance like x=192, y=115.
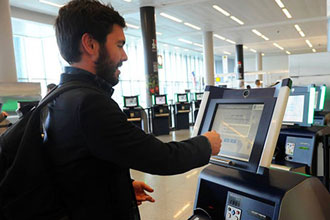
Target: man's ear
x=89, y=45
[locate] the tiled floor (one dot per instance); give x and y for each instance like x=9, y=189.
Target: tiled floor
x=174, y=195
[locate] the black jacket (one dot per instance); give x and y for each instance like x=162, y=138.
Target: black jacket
x=92, y=146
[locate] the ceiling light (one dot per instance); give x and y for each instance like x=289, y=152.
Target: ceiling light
x=165, y=45
x=288, y=52
x=176, y=48
x=264, y=37
x=280, y=4
x=158, y=33
x=185, y=41
x=302, y=34
x=278, y=46
x=50, y=3
x=170, y=17
x=132, y=26
x=192, y=26
x=314, y=50
x=256, y=32
x=127, y=0
x=237, y=20
x=245, y=47
x=230, y=41
x=199, y=45
x=253, y=50
x=297, y=27
x=287, y=13
x=309, y=43
x=224, y=12
x=218, y=36
x=262, y=54
x=225, y=52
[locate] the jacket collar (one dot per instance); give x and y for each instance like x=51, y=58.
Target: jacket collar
x=77, y=74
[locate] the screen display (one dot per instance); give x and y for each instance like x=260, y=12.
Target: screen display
x=295, y=109
x=182, y=98
x=160, y=100
x=237, y=124
x=131, y=102
x=199, y=96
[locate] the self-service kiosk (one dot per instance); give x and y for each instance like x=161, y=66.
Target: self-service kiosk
x=300, y=142
x=160, y=115
x=181, y=111
x=133, y=110
x=239, y=185
x=197, y=102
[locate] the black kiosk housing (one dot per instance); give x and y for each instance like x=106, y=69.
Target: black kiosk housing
x=238, y=185
x=133, y=110
x=160, y=115
x=181, y=111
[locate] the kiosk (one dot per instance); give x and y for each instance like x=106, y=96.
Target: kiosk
x=319, y=115
x=299, y=141
x=238, y=185
x=160, y=115
x=197, y=103
x=133, y=110
x=181, y=111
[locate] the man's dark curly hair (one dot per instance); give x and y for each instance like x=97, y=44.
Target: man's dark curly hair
x=83, y=16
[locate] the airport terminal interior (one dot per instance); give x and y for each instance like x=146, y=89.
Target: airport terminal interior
x=255, y=71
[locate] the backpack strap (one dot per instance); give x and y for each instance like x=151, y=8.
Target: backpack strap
x=58, y=90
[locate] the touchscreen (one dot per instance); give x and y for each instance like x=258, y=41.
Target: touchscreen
x=237, y=124
x=131, y=102
x=160, y=100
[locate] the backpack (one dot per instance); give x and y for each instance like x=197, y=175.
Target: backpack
x=27, y=190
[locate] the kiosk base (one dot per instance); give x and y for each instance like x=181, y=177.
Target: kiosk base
x=181, y=121
x=226, y=194
x=160, y=125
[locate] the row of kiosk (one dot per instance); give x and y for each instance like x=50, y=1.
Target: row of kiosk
x=160, y=112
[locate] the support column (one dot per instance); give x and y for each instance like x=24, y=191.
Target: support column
x=208, y=57
x=147, y=16
x=7, y=56
x=328, y=26
x=240, y=65
x=225, y=64
x=259, y=65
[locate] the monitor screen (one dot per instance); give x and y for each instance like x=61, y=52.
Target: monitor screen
x=182, y=98
x=295, y=109
x=238, y=125
x=160, y=100
x=131, y=101
x=199, y=96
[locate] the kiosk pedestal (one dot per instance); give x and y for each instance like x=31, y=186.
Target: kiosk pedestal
x=134, y=115
x=160, y=120
x=181, y=115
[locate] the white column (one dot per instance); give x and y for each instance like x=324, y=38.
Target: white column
x=7, y=57
x=328, y=26
x=259, y=65
x=208, y=57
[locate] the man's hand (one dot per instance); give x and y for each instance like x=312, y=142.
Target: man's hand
x=140, y=195
x=215, y=141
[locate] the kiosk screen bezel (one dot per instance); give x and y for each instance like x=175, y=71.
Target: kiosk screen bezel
x=261, y=135
x=155, y=99
x=183, y=94
x=131, y=97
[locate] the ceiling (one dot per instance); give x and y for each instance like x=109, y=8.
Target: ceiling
x=263, y=15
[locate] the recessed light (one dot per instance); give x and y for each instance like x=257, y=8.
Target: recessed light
x=245, y=47
x=224, y=12
x=314, y=50
x=158, y=33
x=192, y=26
x=218, y=36
x=185, y=41
x=278, y=46
x=256, y=32
x=225, y=52
x=288, y=52
x=132, y=26
x=230, y=41
x=170, y=17
x=297, y=27
x=262, y=54
x=309, y=43
x=279, y=3
x=51, y=3
x=287, y=13
x=253, y=50
x=237, y=20
x=127, y=0
x=199, y=45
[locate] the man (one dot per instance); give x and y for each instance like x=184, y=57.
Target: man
x=90, y=143
x=50, y=87
x=258, y=83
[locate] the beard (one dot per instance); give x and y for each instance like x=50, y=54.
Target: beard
x=105, y=68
